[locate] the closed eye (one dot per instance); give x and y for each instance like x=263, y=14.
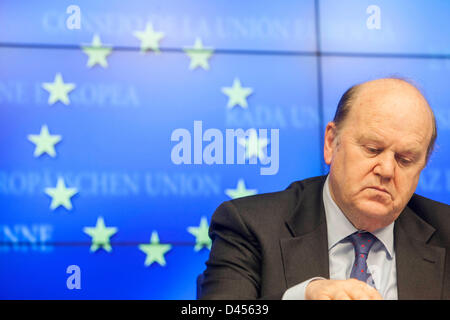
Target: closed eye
x=404, y=161
x=372, y=150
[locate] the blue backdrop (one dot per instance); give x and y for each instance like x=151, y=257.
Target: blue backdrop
x=115, y=125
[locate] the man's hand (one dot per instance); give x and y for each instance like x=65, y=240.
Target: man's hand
x=350, y=289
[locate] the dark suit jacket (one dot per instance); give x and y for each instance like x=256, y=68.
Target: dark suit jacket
x=265, y=244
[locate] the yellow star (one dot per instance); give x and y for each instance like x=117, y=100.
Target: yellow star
x=149, y=38
x=254, y=146
x=199, y=55
x=237, y=94
x=240, y=191
x=202, y=238
x=61, y=195
x=97, y=53
x=100, y=235
x=45, y=142
x=58, y=90
x=155, y=251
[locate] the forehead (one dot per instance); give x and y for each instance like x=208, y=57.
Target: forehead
x=391, y=109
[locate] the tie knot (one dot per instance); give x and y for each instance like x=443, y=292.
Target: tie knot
x=362, y=241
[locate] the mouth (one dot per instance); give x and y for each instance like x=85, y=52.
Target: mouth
x=381, y=189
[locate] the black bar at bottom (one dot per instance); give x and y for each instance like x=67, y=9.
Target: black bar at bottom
x=193, y=309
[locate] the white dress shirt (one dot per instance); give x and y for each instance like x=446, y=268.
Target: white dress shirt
x=380, y=261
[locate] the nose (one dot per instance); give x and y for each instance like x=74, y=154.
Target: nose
x=385, y=166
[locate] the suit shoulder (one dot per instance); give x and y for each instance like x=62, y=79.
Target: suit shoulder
x=428, y=206
x=274, y=204
x=435, y=213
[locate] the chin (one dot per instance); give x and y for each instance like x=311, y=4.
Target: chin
x=374, y=215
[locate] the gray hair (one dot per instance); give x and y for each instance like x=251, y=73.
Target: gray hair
x=350, y=95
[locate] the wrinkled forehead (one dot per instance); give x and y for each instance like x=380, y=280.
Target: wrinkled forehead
x=391, y=106
x=393, y=100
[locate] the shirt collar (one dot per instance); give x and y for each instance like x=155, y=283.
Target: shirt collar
x=339, y=227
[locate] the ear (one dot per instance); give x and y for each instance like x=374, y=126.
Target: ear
x=329, y=146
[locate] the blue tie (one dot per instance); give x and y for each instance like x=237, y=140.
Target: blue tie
x=362, y=241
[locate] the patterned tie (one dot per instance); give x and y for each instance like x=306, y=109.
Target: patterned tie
x=362, y=241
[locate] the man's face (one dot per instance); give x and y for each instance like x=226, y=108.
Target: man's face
x=377, y=156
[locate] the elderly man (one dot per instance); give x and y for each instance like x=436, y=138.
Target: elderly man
x=358, y=233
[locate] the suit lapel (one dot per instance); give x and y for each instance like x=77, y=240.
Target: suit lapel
x=305, y=255
x=420, y=266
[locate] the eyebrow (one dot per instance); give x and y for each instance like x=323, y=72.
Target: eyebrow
x=364, y=139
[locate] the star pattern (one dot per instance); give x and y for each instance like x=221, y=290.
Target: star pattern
x=155, y=250
x=61, y=195
x=240, y=191
x=199, y=55
x=149, y=38
x=45, y=142
x=202, y=238
x=254, y=146
x=237, y=95
x=100, y=235
x=59, y=91
x=96, y=52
